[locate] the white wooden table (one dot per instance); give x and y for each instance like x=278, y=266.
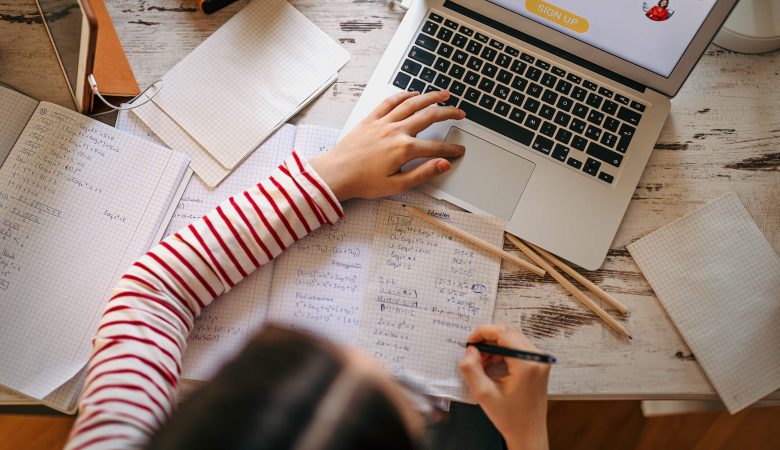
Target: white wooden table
x=723, y=135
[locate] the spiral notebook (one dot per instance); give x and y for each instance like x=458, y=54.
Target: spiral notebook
x=719, y=280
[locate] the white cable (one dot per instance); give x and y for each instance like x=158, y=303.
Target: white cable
x=93, y=85
x=403, y=4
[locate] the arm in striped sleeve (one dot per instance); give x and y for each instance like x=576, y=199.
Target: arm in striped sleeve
x=134, y=370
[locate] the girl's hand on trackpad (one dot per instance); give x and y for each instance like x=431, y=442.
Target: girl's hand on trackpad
x=367, y=162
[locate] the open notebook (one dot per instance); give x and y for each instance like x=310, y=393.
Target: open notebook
x=322, y=283
x=79, y=202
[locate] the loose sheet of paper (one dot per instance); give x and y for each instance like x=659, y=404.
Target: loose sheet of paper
x=249, y=77
x=79, y=202
x=719, y=280
x=129, y=122
x=426, y=292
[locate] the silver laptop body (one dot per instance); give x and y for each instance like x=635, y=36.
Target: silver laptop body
x=522, y=162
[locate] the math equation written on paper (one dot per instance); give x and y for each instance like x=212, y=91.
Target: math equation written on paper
x=426, y=291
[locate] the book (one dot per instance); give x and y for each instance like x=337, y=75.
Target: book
x=335, y=282
x=79, y=202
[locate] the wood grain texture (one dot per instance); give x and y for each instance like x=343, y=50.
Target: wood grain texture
x=723, y=135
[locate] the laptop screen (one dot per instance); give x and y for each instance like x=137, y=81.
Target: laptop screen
x=652, y=34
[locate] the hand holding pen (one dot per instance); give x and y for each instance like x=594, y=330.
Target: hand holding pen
x=515, y=399
x=514, y=353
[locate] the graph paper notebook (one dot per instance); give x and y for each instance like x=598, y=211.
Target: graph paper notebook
x=719, y=280
x=79, y=202
x=248, y=78
x=318, y=284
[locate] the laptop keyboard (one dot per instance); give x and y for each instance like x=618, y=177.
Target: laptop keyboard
x=570, y=119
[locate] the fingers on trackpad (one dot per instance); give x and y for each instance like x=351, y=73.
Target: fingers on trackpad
x=487, y=176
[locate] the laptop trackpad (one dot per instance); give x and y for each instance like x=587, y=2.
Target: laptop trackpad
x=487, y=176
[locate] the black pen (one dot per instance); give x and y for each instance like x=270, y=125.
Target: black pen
x=521, y=354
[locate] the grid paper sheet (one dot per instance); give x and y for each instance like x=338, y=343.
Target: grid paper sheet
x=719, y=280
x=426, y=292
x=15, y=110
x=74, y=189
x=255, y=72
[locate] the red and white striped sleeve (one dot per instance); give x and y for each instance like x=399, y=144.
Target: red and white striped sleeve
x=134, y=370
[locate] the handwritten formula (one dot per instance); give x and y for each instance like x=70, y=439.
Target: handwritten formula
x=426, y=291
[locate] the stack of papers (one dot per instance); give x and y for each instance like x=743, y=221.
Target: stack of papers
x=245, y=81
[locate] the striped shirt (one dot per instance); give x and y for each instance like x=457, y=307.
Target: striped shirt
x=135, y=367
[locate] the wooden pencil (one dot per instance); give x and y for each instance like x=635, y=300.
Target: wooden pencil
x=474, y=240
x=600, y=293
x=578, y=294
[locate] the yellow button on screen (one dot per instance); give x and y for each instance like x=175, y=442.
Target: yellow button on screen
x=558, y=15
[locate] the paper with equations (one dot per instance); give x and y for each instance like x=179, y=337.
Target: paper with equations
x=319, y=283
x=71, y=190
x=426, y=292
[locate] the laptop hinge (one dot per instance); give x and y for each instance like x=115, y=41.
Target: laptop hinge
x=544, y=46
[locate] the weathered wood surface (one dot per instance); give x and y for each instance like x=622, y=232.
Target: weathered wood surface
x=723, y=135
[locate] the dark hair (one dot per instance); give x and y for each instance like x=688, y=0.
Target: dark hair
x=268, y=398
x=667, y=2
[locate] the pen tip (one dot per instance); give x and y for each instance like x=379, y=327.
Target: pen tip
x=630, y=337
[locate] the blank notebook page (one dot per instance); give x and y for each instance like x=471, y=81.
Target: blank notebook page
x=248, y=77
x=719, y=280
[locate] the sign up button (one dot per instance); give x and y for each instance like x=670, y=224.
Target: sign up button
x=558, y=15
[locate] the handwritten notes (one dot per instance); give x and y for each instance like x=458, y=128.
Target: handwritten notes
x=319, y=283
x=225, y=326
x=78, y=202
x=426, y=292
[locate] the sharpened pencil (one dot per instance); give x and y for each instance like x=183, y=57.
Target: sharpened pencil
x=578, y=294
x=474, y=240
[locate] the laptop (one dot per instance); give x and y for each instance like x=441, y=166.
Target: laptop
x=564, y=102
